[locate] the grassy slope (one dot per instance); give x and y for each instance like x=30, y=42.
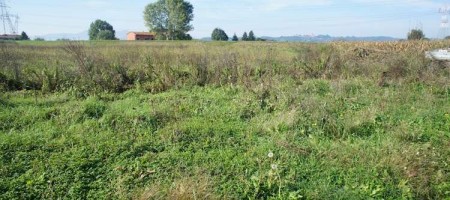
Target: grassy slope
x=332, y=139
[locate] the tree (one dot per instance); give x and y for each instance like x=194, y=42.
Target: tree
x=244, y=37
x=101, y=30
x=416, y=34
x=183, y=36
x=24, y=36
x=106, y=35
x=235, y=38
x=219, y=35
x=170, y=19
x=251, y=36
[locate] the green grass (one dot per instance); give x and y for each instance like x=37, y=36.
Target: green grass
x=334, y=134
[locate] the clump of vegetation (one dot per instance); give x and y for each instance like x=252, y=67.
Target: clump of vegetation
x=170, y=19
x=244, y=37
x=416, y=34
x=101, y=30
x=249, y=37
x=24, y=36
x=235, y=38
x=219, y=35
x=192, y=120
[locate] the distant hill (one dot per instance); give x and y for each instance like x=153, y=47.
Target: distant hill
x=122, y=35
x=321, y=38
x=72, y=36
x=328, y=38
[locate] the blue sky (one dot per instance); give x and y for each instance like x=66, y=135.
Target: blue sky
x=264, y=17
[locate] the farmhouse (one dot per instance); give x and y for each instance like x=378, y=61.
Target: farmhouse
x=140, y=36
x=9, y=37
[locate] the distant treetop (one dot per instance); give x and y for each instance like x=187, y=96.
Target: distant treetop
x=219, y=35
x=235, y=38
x=251, y=36
x=170, y=19
x=101, y=30
x=24, y=36
x=244, y=37
x=416, y=34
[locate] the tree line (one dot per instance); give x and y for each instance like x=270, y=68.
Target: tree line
x=22, y=36
x=220, y=35
x=171, y=20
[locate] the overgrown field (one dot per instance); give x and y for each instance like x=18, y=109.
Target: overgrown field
x=193, y=120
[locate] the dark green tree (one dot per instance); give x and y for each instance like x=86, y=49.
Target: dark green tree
x=170, y=19
x=24, y=36
x=183, y=36
x=244, y=37
x=235, y=38
x=219, y=35
x=106, y=35
x=251, y=36
x=101, y=30
x=416, y=34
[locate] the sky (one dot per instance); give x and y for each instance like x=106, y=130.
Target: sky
x=265, y=17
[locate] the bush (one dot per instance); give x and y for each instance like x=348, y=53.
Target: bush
x=416, y=34
x=219, y=35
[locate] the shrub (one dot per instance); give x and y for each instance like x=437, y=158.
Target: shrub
x=219, y=35
x=416, y=34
